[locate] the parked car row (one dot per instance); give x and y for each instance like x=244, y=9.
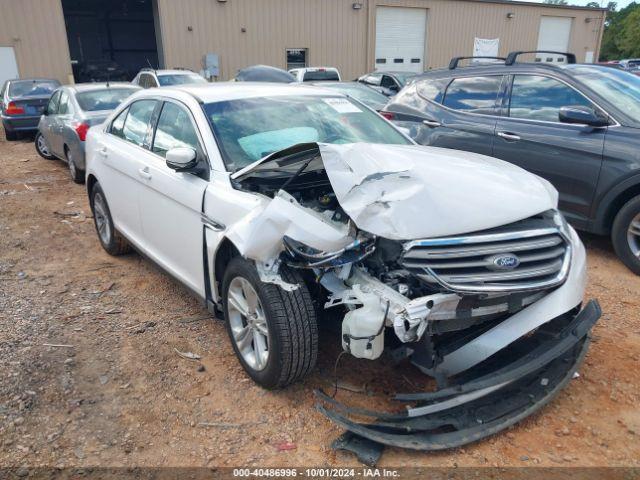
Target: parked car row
x=291, y=205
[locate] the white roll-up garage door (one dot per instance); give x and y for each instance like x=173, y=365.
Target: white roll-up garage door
x=400, y=39
x=554, y=35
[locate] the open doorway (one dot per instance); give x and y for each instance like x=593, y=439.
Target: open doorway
x=110, y=39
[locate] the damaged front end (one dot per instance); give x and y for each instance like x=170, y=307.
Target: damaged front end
x=488, y=304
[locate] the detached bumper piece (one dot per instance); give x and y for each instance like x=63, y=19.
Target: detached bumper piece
x=481, y=402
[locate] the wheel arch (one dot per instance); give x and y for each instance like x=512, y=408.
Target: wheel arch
x=91, y=181
x=225, y=252
x=613, y=201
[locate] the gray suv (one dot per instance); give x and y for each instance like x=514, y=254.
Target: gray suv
x=576, y=125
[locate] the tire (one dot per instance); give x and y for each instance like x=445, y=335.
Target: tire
x=77, y=175
x=111, y=239
x=41, y=147
x=291, y=331
x=625, y=234
x=10, y=136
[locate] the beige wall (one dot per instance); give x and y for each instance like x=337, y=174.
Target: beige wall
x=35, y=28
x=337, y=35
x=334, y=33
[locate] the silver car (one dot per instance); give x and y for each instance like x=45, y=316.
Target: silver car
x=71, y=111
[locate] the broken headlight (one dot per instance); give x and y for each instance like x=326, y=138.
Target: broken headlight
x=297, y=254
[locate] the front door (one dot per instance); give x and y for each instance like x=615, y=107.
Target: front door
x=171, y=203
x=531, y=136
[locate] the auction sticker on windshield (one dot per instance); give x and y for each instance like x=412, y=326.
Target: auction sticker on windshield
x=342, y=105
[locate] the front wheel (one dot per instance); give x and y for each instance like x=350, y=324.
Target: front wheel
x=273, y=332
x=42, y=148
x=625, y=234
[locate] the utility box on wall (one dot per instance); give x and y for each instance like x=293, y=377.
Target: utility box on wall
x=211, y=66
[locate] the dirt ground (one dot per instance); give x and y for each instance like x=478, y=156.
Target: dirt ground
x=114, y=392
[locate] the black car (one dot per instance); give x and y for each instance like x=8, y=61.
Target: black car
x=577, y=125
x=22, y=101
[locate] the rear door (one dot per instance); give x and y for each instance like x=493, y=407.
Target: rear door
x=122, y=152
x=171, y=202
x=459, y=113
x=530, y=135
x=59, y=122
x=48, y=121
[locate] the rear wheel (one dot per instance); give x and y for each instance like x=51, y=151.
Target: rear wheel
x=273, y=331
x=42, y=148
x=77, y=175
x=110, y=238
x=625, y=234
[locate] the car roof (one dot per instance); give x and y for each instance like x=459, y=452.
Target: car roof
x=223, y=91
x=502, y=69
x=33, y=79
x=174, y=72
x=85, y=87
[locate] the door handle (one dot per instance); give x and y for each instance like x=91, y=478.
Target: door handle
x=509, y=137
x=144, y=173
x=431, y=123
x=102, y=150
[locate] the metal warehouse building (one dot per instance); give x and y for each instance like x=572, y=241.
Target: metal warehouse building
x=56, y=38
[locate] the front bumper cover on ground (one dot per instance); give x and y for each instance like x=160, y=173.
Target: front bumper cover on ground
x=479, y=403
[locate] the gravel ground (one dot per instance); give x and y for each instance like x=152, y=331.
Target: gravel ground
x=113, y=391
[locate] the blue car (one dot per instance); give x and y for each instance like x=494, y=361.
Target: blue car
x=22, y=101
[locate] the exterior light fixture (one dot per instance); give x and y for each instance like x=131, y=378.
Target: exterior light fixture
x=511, y=15
x=356, y=6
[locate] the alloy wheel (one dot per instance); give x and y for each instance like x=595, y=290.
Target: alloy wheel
x=102, y=218
x=248, y=323
x=633, y=235
x=42, y=146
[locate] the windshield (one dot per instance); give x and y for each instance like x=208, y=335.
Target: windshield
x=404, y=77
x=366, y=95
x=32, y=88
x=249, y=129
x=180, y=79
x=315, y=75
x=107, y=99
x=620, y=88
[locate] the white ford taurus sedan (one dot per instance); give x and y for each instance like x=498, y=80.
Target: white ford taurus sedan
x=277, y=203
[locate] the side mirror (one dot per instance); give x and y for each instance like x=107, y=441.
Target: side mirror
x=583, y=116
x=181, y=159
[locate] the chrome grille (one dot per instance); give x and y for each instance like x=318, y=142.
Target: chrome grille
x=538, y=259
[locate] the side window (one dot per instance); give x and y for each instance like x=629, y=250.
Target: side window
x=64, y=107
x=388, y=82
x=432, y=89
x=136, y=124
x=473, y=94
x=175, y=129
x=54, y=102
x=117, y=125
x=534, y=97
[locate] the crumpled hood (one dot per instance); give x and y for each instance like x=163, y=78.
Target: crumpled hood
x=405, y=192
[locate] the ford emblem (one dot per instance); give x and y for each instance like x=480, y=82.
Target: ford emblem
x=505, y=261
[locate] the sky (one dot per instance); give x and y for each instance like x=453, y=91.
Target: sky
x=621, y=3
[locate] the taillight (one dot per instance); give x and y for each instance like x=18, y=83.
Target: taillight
x=388, y=115
x=81, y=130
x=13, y=109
